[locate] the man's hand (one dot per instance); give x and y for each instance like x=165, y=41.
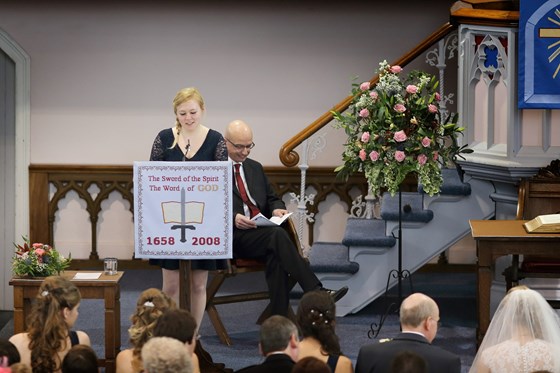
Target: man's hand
x=243, y=222
x=279, y=212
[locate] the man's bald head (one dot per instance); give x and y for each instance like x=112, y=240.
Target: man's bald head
x=420, y=313
x=239, y=140
x=238, y=128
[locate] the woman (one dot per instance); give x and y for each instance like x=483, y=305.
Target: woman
x=316, y=319
x=151, y=304
x=189, y=140
x=48, y=337
x=523, y=336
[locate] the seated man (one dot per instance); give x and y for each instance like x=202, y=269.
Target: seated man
x=278, y=344
x=419, y=316
x=252, y=193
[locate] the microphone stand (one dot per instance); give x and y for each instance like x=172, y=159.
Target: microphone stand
x=187, y=148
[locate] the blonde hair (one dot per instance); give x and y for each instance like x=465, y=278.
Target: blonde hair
x=47, y=327
x=151, y=304
x=184, y=95
x=166, y=355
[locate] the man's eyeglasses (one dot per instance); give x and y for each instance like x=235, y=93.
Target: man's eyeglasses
x=242, y=147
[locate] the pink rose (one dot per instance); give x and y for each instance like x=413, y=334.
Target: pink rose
x=364, y=113
x=432, y=108
x=39, y=252
x=362, y=155
x=374, y=156
x=373, y=95
x=438, y=97
x=395, y=69
x=399, y=108
x=400, y=156
x=37, y=245
x=426, y=142
x=365, y=137
x=435, y=156
x=411, y=89
x=422, y=159
x=400, y=136
x=364, y=86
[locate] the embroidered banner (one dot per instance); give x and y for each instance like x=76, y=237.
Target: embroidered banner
x=182, y=210
x=539, y=54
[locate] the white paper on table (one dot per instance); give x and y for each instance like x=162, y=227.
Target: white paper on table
x=87, y=275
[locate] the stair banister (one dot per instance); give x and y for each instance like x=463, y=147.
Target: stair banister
x=290, y=158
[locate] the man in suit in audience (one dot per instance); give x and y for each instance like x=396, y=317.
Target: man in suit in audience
x=278, y=344
x=419, y=317
x=252, y=193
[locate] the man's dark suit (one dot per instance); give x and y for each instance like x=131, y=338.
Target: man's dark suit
x=276, y=363
x=377, y=358
x=273, y=244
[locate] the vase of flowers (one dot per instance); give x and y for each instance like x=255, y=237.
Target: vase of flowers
x=38, y=260
x=395, y=128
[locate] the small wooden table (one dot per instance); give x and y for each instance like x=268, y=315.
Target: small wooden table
x=495, y=238
x=106, y=288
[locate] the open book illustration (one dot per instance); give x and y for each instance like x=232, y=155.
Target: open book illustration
x=543, y=224
x=182, y=212
x=263, y=221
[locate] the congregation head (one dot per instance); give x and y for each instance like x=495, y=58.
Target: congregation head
x=80, y=359
x=150, y=306
x=420, y=313
x=8, y=352
x=276, y=334
x=176, y=323
x=316, y=313
x=311, y=364
x=166, y=355
x=56, y=304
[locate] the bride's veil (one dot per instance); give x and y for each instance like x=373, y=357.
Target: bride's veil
x=523, y=316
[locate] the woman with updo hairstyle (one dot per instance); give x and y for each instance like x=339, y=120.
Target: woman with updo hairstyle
x=151, y=304
x=316, y=318
x=49, y=336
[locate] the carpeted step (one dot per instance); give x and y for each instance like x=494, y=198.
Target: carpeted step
x=412, y=208
x=367, y=232
x=332, y=258
x=452, y=183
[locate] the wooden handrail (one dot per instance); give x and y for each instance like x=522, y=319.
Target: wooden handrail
x=289, y=157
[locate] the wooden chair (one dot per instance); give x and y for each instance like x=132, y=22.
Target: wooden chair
x=537, y=196
x=238, y=267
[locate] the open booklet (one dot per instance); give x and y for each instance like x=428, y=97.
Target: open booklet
x=543, y=224
x=263, y=221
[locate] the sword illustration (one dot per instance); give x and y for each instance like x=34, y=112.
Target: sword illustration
x=183, y=227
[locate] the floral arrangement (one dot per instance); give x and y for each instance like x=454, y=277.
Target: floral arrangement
x=395, y=128
x=38, y=260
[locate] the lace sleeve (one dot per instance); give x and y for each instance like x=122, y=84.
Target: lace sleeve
x=221, y=153
x=157, y=150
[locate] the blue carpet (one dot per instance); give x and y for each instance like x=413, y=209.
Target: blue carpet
x=454, y=293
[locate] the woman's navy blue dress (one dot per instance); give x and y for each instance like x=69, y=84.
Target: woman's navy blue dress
x=213, y=149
